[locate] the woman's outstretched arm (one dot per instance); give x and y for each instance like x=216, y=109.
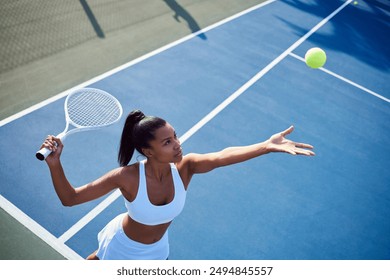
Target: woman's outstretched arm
x=201, y=163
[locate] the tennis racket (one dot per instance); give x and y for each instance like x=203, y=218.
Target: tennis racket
x=87, y=109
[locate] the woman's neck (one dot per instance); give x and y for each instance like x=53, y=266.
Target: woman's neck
x=157, y=170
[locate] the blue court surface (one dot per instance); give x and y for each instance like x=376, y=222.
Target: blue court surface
x=237, y=83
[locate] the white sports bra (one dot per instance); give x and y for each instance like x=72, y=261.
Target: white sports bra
x=143, y=211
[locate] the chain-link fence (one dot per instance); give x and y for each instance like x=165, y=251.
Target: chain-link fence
x=34, y=29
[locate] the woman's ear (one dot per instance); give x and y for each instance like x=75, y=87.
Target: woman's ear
x=147, y=152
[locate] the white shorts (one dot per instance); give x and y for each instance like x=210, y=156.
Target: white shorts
x=115, y=245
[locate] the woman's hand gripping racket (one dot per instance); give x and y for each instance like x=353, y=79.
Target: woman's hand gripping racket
x=87, y=109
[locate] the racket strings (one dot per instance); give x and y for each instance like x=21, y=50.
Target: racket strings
x=92, y=108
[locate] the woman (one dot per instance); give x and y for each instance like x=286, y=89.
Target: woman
x=154, y=190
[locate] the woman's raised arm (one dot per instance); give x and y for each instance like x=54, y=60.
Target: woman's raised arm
x=69, y=195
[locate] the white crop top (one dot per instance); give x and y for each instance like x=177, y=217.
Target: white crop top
x=143, y=211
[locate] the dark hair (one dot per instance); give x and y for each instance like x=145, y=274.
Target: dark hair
x=137, y=132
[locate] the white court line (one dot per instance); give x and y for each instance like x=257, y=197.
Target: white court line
x=89, y=217
x=38, y=230
x=94, y=212
x=345, y=80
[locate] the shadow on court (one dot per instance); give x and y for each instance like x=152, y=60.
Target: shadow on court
x=180, y=12
x=95, y=24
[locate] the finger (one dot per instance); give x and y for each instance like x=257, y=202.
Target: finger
x=287, y=131
x=49, y=144
x=57, y=140
x=303, y=145
x=304, y=152
x=50, y=137
x=291, y=152
x=52, y=143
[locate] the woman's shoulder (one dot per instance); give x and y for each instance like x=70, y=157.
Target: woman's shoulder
x=184, y=168
x=128, y=178
x=125, y=174
x=189, y=159
x=127, y=171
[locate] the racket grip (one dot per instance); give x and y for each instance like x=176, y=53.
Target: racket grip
x=42, y=153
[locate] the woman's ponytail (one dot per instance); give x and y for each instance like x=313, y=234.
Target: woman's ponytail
x=137, y=132
x=127, y=145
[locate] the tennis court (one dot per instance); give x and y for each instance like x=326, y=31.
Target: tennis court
x=237, y=82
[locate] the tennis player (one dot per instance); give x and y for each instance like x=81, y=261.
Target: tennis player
x=154, y=190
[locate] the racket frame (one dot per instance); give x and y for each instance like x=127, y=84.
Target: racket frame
x=44, y=152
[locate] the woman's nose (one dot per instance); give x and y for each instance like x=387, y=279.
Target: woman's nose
x=177, y=144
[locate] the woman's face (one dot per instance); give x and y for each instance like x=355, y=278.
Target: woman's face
x=166, y=146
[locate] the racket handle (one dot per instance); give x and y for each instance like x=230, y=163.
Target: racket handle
x=42, y=153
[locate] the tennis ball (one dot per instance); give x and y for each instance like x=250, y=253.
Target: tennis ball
x=315, y=58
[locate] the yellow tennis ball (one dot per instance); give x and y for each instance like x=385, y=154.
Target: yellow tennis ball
x=315, y=58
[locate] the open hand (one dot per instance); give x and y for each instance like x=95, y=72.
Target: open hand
x=278, y=143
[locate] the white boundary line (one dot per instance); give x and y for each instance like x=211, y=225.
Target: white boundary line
x=38, y=230
x=127, y=65
x=89, y=216
x=86, y=219
x=345, y=80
